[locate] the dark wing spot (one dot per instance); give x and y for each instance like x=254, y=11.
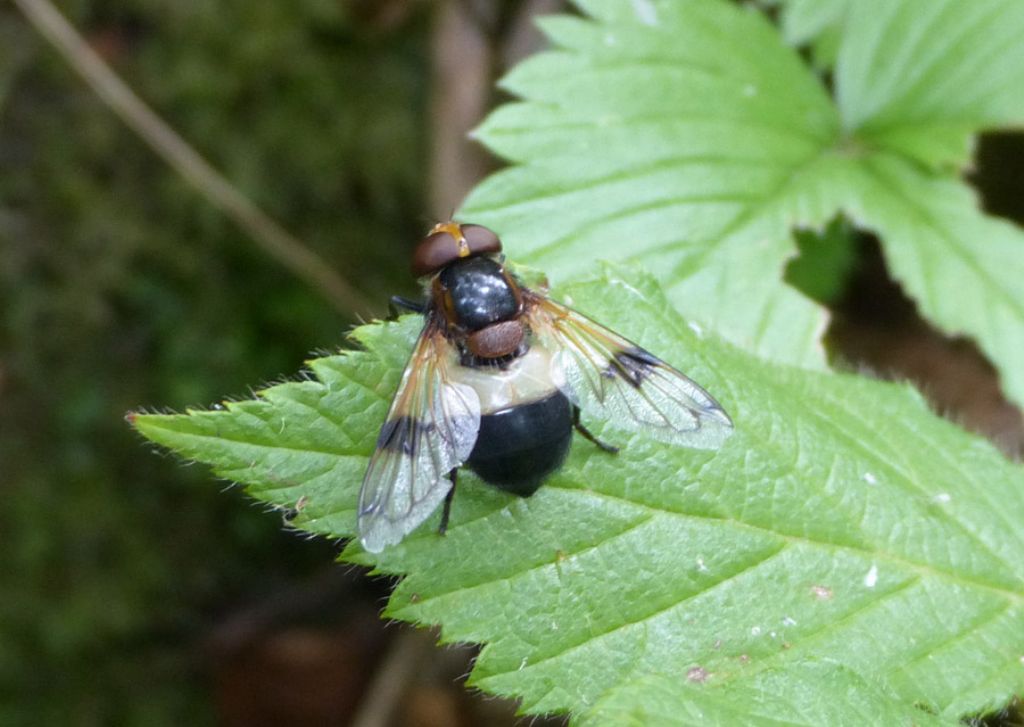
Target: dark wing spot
x=403, y=435
x=634, y=365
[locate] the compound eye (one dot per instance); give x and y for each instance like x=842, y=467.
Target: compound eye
x=481, y=240
x=434, y=252
x=448, y=242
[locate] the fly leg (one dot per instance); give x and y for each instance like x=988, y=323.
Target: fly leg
x=397, y=304
x=443, y=527
x=611, y=449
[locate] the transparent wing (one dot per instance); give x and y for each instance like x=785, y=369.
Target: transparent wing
x=607, y=375
x=430, y=430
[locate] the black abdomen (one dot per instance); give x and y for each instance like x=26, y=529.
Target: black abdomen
x=517, y=448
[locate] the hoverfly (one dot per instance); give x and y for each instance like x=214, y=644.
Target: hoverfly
x=497, y=381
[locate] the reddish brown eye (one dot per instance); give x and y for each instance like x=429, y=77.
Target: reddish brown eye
x=481, y=240
x=448, y=242
x=433, y=253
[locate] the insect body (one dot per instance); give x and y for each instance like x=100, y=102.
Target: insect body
x=497, y=381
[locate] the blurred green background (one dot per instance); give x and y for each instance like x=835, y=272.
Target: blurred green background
x=134, y=590
x=121, y=288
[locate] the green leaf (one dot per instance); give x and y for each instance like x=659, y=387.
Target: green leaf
x=920, y=77
x=810, y=694
x=803, y=21
x=964, y=269
x=668, y=136
x=841, y=521
x=816, y=23
x=826, y=259
x=688, y=137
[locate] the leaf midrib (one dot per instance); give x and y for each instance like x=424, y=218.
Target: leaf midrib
x=805, y=135
x=249, y=443
x=923, y=569
x=919, y=571
x=627, y=212
x=759, y=205
x=763, y=558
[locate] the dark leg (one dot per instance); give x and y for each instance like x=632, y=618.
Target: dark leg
x=398, y=304
x=586, y=433
x=443, y=527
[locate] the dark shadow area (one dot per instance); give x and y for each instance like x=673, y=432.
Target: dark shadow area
x=876, y=327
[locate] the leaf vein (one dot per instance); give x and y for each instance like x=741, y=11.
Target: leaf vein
x=491, y=580
x=900, y=562
x=931, y=649
x=647, y=617
x=631, y=174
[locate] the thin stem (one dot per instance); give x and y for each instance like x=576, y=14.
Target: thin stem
x=161, y=138
x=399, y=669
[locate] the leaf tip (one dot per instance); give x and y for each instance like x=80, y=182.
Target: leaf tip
x=140, y=420
x=143, y=423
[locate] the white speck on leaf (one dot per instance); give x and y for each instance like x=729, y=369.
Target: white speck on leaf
x=695, y=327
x=788, y=621
x=700, y=565
x=870, y=478
x=698, y=674
x=645, y=11
x=942, y=498
x=755, y=630
x=871, y=577
x=610, y=40
x=822, y=593
x=750, y=90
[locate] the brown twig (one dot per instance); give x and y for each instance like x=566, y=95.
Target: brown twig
x=405, y=657
x=161, y=138
x=460, y=89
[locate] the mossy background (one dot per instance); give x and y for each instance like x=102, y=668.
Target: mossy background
x=135, y=591
x=121, y=287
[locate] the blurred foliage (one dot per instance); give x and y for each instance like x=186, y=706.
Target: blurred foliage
x=825, y=261
x=121, y=287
